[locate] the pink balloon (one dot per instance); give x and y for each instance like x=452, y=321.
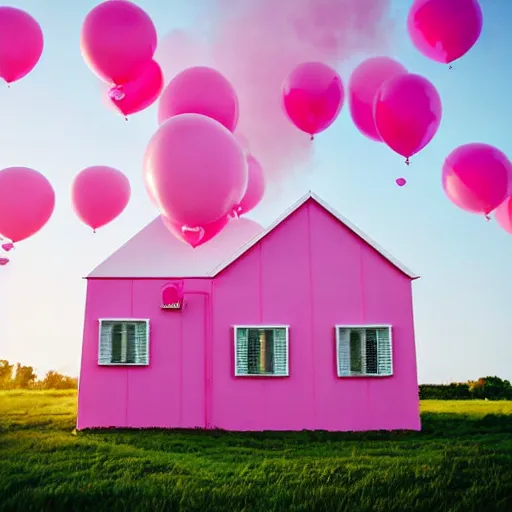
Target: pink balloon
x=4, y=261
x=118, y=40
x=200, y=90
x=27, y=201
x=195, y=170
x=400, y=182
x=444, y=30
x=364, y=83
x=99, y=194
x=407, y=113
x=7, y=246
x=476, y=177
x=313, y=96
x=139, y=94
x=199, y=236
x=255, y=187
x=21, y=43
x=503, y=215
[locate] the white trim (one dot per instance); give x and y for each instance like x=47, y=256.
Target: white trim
x=363, y=326
x=124, y=320
x=334, y=213
x=287, y=329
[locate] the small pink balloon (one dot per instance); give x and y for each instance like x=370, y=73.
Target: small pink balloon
x=200, y=236
x=8, y=246
x=139, y=94
x=364, y=83
x=476, y=177
x=313, y=96
x=503, y=215
x=255, y=187
x=118, y=39
x=444, y=30
x=407, y=113
x=99, y=194
x=200, y=90
x=195, y=170
x=4, y=261
x=27, y=201
x=400, y=182
x=21, y=43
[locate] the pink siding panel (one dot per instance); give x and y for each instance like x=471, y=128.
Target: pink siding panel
x=310, y=273
x=102, y=390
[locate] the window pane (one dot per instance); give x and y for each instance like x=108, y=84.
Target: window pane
x=254, y=351
x=269, y=351
x=130, y=342
x=117, y=343
x=371, y=351
x=356, y=362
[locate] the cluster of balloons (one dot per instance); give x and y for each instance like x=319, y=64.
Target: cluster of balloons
x=198, y=169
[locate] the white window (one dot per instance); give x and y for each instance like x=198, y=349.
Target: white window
x=123, y=342
x=261, y=351
x=364, y=351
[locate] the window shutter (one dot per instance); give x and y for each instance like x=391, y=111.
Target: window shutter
x=141, y=345
x=343, y=351
x=280, y=352
x=242, y=349
x=105, y=348
x=385, y=352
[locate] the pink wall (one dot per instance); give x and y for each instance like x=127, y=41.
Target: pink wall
x=329, y=277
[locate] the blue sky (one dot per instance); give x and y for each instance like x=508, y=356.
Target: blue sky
x=54, y=121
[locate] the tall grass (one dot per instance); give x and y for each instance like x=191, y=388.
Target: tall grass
x=461, y=461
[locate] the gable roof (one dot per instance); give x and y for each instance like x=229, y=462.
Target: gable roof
x=154, y=252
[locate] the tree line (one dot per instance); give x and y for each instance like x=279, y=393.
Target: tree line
x=17, y=376
x=485, y=388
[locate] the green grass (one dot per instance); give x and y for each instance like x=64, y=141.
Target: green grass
x=461, y=461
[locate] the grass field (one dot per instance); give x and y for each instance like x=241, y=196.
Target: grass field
x=461, y=461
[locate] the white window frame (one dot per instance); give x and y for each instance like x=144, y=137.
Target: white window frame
x=266, y=375
x=124, y=320
x=337, y=329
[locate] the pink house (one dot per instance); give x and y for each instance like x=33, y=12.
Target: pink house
x=305, y=325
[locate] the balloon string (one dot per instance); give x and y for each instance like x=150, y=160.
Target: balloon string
x=312, y=137
x=125, y=118
x=487, y=217
x=94, y=231
x=450, y=67
x=407, y=162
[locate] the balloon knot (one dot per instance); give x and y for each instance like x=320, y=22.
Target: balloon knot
x=125, y=118
x=450, y=67
x=94, y=231
x=312, y=137
x=407, y=161
x=487, y=217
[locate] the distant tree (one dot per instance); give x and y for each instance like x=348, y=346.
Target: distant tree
x=25, y=377
x=55, y=380
x=6, y=370
x=492, y=388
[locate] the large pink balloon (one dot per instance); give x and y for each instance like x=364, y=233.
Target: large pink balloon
x=476, y=177
x=407, y=112
x=444, y=30
x=364, y=83
x=503, y=215
x=99, y=194
x=200, y=90
x=313, y=96
x=199, y=236
x=255, y=186
x=195, y=170
x=118, y=40
x=139, y=94
x=27, y=201
x=21, y=43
